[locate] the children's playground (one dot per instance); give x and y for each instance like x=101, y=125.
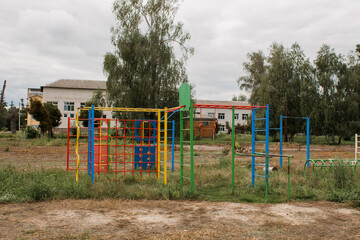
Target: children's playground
x=144, y=149
x=247, y=186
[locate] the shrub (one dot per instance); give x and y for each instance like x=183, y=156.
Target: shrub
x=31, y=132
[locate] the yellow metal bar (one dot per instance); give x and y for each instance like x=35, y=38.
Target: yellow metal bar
x=119, y=109
x=125, y=109
x=165, y=147
x=77, y=145
x=158, y=144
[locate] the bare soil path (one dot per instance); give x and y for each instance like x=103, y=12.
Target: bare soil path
x=118, y=219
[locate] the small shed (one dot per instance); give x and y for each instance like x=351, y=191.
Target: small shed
x=203, y=126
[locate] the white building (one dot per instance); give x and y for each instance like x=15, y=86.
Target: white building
x=223, y=115
x=68, y=95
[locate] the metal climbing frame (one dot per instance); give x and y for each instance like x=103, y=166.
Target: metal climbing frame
x=115, y=147
x=265, y=129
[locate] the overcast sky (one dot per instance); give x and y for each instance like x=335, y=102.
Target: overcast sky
x=46, y=40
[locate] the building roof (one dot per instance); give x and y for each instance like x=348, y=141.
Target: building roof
x=215, y=102
x=77, y=84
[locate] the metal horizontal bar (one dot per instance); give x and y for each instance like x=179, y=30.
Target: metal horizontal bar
x=259, y=119
x=260, y=130
x=259, y=176
x=260, y=141
x=260, y=164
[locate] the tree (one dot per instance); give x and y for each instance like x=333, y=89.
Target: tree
x=13, y=115
x=3, y=117
x=241, y=97
x=54, y=115
x=98, y=100
x=144, y=70
x=40, y=114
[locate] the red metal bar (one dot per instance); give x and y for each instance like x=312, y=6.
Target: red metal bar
x=226, y=106
x=174, y=109
x=68, y=145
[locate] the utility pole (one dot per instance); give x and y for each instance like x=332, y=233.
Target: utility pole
x=2, y=95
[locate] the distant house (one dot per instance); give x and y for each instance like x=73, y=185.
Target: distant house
x=221, y=115
x=68, y=95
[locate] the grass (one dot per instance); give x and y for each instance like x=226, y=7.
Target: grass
x=223, y=138
x=212, y=182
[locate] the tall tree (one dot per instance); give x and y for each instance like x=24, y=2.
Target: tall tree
x=54, y=115
x=98, y=100
x=330, y=74
x=144, y=70
x=13, y=115
x=40, y=114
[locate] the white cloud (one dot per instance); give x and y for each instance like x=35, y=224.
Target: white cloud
x=43, y=41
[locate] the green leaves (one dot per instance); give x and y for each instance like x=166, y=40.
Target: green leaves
x=144, y=70
x=328, y=91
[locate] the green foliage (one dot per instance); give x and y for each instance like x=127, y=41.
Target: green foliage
x=328, y=91
x=98, y=100
x=31, y=132
x=40, y=114
x=144, y=70
x=54, y=113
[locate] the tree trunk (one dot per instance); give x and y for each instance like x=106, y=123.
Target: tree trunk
x=13, y=126
x=339, y=142
x=327, y=139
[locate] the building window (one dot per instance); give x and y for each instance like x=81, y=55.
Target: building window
x=103, y=116
x=245, y=116
x=68, y=106
x=72, y=115
x=221, y=115
x=65, y=114
x=54, y=103
x=236, y=116
x=221, y=128
x=211, y=115
x=82, y=104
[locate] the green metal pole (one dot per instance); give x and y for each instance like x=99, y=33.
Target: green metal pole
x=181, y=150
x=233, y=151
x=108, y=143
x=192, y=147
x=266, y=180
x=288, y=178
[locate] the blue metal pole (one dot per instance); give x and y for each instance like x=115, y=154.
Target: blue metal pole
x=308, y=140
x=89, y=142
x=92, y=143
x=173, y=145
x=253, y=148
x=281, y=139
x=267, y=123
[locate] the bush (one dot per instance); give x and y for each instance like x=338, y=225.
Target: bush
x=31, y=132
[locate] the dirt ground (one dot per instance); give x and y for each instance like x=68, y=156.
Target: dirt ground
x=117, y=219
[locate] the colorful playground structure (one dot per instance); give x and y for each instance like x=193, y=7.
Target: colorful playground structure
x=120, y=149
